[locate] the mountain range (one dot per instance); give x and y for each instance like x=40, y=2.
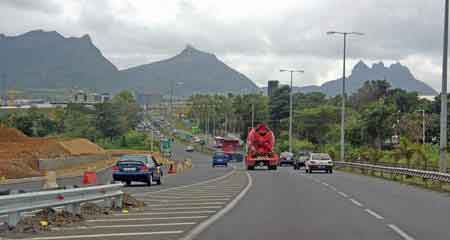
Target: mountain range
x=48, y=60
x=396, y=74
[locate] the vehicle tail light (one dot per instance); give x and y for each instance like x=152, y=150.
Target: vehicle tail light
x=115, y=168
x=143, y=168
x=158, y=170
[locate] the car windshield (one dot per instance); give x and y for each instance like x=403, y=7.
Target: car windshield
x=219, y=154
x=320, y=157
x=141, y=158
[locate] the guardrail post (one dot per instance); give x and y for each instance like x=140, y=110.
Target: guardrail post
x=108, y=202
x=74, y=208
x=13, y=218
x=118, y=201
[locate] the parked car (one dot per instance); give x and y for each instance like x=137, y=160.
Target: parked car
x=319, y=161
x=137, y=168
x=189, y=148
x=220, y=159
x=286, y=158
x=300, y=160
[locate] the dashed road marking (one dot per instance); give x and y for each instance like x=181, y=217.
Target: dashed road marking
x=325, y=184
x=343, y=194
x=356, y=202
x=143, y=219
x=400, y=232
x=106, y=235
x=376, y=215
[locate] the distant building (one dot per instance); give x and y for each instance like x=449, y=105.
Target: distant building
x=146, y=99
x=271, y=87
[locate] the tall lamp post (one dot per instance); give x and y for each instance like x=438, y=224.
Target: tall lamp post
x=344, y=96
x=443, y=128
x=172, y=86
x=290, y=104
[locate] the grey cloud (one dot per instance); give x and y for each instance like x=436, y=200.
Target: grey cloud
x=46, y=6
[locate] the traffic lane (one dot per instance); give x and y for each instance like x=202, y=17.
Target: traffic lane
x=201, y=170
x=103, y=177
x=422, y=213
x=168, y=215
x=283, y=205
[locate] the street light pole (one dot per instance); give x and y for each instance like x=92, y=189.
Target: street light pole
x=290, y=103
x=443, y=135
x=344, y=95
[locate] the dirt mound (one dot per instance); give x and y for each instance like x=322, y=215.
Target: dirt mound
x=131, y=202
x=11, y=135
x=45, y=219
x=81, y=147
x=19, y=154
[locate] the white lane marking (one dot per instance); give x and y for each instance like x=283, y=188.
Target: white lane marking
x=161, y=213
x=189, y=185
x=184, y=208
x=124, y=226
x=343, y=194
x=187, y=201
x=376, y=215
x=205, y=224
x=143, y=219
x=184, y=196
x=356, y=202
x=186, y=204
x=106, y=235
x=400, y=232
x=325, y=184
x=333, y=188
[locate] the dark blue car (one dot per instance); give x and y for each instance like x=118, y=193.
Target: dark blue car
x=137, y=168
x=220, y=159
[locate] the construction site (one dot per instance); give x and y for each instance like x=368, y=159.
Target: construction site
x=22, y=156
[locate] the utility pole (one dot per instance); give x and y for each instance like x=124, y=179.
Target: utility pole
x=423, y=125
x=253, y=115
x=291, y=93
x=344, y=95
x=443, y=137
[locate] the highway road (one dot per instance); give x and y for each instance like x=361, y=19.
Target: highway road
x=290, y=204
x=283, y=204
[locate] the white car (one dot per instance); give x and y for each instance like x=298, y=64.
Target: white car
x=189, y=149
x=319, y=161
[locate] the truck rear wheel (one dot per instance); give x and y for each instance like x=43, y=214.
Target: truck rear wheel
x=250, y=168
x=273, y=167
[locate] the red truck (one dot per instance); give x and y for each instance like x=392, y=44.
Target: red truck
x=232, y=147
x=260, y=144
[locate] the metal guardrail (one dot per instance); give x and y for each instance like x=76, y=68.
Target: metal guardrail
x=443, y=177
x=16, y=204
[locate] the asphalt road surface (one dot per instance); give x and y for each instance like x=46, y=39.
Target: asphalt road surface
x=288, y=204
x=283, y=204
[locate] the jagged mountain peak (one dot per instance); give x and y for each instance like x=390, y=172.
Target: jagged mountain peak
x=191, y=51
x=360, y=67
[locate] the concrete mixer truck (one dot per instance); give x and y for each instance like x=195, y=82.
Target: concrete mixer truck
x=260, y=148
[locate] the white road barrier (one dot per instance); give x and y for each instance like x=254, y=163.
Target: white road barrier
x=16, y=204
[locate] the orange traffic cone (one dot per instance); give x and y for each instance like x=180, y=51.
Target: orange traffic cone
x=172, y=170
x=89, y=177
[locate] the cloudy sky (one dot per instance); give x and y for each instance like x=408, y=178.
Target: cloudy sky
x=255, y=37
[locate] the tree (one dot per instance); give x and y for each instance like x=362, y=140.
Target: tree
x=279, y=108
x=377, y=122
x=370, y=92
x=128, y=109
x=108, y=120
